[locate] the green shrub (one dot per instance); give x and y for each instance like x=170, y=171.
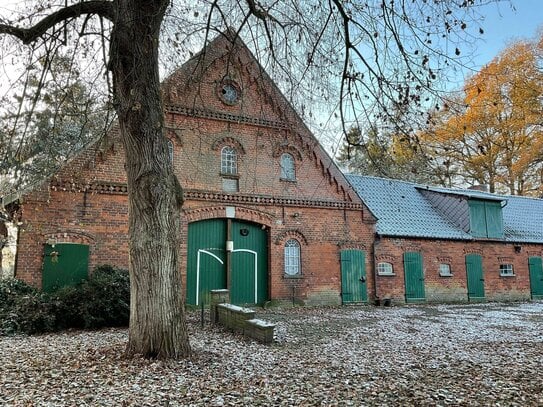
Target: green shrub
x=68, y=301
x=11, y=288
x=24, y=309
x=101, y=301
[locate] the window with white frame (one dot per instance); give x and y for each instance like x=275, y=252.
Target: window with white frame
x=506, y=270
x=170, y=150
x=445, y=270
x=384, y=269
x=288, y=171
x=292, y=258
x=229, y=161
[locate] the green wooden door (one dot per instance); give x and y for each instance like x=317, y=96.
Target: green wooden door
x=206, y=260
x=535, y=265
x=475, y=280
x=353, y=276
x=64, y=264
x=414, y=277
x=249, y=274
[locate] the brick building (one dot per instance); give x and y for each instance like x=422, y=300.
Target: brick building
x=269, y=215
x=448, y=245
x=266, y=213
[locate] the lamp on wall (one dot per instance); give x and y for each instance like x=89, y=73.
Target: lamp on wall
x=518, y=249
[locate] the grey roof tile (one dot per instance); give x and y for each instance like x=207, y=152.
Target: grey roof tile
x=404, y=212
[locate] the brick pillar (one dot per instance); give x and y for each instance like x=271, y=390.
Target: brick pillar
x=217, y=297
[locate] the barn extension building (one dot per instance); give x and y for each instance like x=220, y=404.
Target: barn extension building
x=450, y=245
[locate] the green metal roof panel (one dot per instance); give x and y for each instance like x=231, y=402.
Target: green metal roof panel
x=403, y=211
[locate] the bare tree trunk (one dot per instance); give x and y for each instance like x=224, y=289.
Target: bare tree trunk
x=157, y=315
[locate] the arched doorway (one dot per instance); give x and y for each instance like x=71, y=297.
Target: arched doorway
x=243, y=268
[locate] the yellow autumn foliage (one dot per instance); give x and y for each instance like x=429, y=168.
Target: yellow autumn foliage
x=494, y=133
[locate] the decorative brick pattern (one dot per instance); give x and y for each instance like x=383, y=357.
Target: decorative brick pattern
x=89, y=197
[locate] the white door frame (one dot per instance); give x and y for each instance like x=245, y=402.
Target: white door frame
x=205, y=251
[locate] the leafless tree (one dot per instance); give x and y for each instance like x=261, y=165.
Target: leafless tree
x=368, y=57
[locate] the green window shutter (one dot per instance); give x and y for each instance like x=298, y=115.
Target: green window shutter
x=477, y=218
x=494, y=219
x=486, y=219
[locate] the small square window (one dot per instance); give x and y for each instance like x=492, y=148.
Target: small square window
x=445, y=270
x=230, y=185
x=385, y=269
x=506, y=270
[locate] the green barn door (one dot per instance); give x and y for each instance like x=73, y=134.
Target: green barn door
x=535, y=265
x=475, y=280
x=414, y=277
x=353, y=276
x=206, y=260
x=249, y=275
x=64, y=264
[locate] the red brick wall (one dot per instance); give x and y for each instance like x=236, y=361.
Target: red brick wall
x=100, y=220
x=452, y=289
x=319, y=208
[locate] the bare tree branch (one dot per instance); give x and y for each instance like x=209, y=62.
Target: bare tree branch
x=27, y=35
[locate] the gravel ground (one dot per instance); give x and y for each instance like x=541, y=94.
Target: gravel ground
x=486, y=354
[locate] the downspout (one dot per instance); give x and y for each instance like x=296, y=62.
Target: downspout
x=376, y=243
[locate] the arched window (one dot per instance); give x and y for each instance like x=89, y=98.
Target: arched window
x=170, y=150
x=288, y=171
x=385, y=269
x=229, y=161
x=292, y=258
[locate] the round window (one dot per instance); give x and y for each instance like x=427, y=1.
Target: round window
x=229, y=92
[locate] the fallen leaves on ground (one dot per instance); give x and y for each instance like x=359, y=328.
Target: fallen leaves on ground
x=486, y=354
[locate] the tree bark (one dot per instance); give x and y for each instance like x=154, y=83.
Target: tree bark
x=157, y=315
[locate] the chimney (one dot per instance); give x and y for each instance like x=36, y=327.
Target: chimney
x=480, y=187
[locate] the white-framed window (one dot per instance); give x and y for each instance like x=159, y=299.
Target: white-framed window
x=288, y=170
x=170, y=149
x=445, y=270
x=385, y=269
x=229, y=160
x=506, y=270
x=292, y=258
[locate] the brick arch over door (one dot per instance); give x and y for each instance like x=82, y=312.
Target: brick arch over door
x=241, y=213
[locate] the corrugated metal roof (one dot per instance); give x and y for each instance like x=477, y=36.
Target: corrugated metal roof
x=404, y=212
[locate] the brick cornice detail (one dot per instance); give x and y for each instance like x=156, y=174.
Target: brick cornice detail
x=267, y=200
x=114, y=188
x=232, y=118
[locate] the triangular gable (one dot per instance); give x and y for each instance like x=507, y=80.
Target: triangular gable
x=85, y=168
x=275, y=109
